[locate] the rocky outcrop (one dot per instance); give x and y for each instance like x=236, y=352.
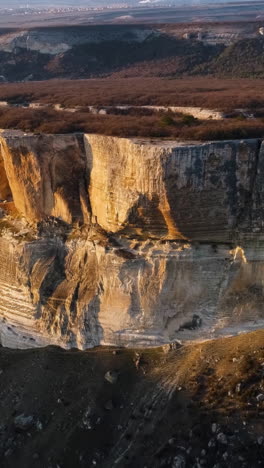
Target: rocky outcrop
x=130, y=242
x=55, y=41
x=47, y=176
x=197, y=191
x=81, y=293
x=197, y=112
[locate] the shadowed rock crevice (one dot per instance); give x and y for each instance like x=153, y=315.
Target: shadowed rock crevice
x=5, y=191
x=246, y=211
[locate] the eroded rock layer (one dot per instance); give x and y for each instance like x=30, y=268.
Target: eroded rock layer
x=129, y=242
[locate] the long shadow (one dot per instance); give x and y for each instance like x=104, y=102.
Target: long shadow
x=145, y=219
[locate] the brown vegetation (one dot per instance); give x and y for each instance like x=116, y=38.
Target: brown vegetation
x=159, y=125
x=226, y=94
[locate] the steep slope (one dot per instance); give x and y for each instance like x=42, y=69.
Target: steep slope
x=200, y=405
x=243, y=59
x=105, y=57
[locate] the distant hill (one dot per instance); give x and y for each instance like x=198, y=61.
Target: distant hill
x=245, y=58
x=126, y=50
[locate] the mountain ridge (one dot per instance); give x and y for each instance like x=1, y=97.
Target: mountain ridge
x=94, y=51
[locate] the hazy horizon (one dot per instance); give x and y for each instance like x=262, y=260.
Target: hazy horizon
x=87, y=3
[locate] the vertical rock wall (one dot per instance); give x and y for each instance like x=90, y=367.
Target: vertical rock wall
x=137, y=243
x=47, y=175
x=197, y=192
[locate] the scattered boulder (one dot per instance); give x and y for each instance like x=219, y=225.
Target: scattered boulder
x=167, y=348
x=238, y=388
x=179, y=462
x=211, y=443
x=109, y=405
x=260, y=397
x=221, y=437
x=215, y=428
x=111, y=376
x=137, y=359
x=86, y=420
x=8, y=452
x=39, y=425
x=23, y=422
x=193, y=324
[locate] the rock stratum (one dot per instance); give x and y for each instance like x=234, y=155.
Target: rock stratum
x=129, y=242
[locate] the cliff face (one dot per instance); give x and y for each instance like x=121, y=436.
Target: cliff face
x=47, y=176
x=195, y=192
x=5, y=191
x=199, y=192
x=136, y=243
x=55, y=41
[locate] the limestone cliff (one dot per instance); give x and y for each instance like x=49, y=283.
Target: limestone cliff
x=47, y=176
x=177, y=191
x=129, y=242
x=198, y=191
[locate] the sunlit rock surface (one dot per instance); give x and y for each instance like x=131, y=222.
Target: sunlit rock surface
x=129, y=242
x=188, y=191
x=47, y=175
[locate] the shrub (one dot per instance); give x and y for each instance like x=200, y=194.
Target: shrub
x=166, y=120
x=189, y=120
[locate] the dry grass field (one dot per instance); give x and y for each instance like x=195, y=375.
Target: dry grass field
x=224, y=94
